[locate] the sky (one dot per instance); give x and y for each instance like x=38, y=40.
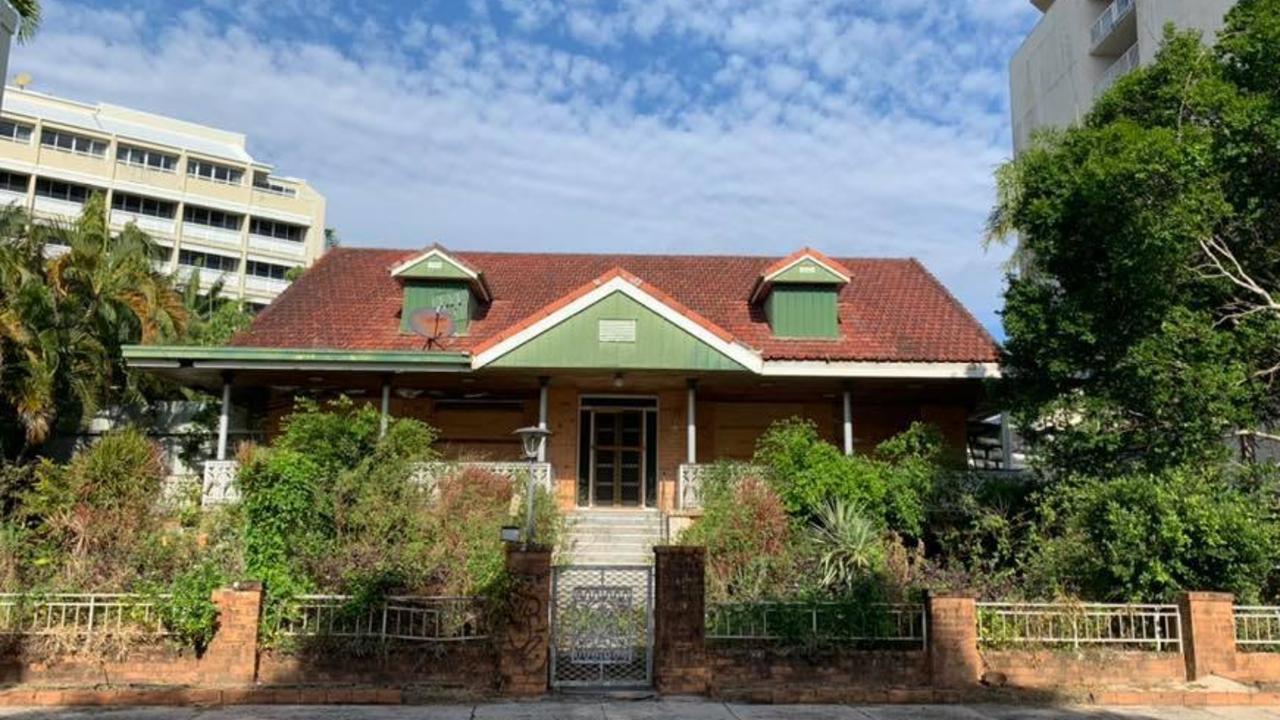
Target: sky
x=858, y=127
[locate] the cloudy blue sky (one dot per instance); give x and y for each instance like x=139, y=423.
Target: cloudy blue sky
x=861, y=127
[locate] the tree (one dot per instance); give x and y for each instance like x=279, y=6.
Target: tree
x=28, y=18
x=70, y=297
x=1140, y=331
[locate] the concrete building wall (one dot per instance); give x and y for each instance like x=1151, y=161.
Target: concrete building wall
x=1062, y=67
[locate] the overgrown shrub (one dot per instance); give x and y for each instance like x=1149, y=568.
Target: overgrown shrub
x=1143, y=537
x=892, y=486
x=471, y=507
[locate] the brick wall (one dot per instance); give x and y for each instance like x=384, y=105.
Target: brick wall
x=1046, y=669
x=525, y=639
x=470, y=666
x=778, y=675
x=679, y=622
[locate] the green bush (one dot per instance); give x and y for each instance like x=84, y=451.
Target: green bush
x=1143, y=537
x=189, y=614
x=891, y=487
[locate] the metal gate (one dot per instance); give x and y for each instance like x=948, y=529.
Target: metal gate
x=602, y=626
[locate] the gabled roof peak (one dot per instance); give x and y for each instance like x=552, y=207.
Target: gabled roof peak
x=437, y=263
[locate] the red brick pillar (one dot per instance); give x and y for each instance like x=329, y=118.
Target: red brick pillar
x=232, y=655
x=679, y=621
x=953, y=641
x=1208, y=633
x=526, y=637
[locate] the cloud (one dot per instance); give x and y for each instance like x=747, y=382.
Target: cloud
x=740, y=126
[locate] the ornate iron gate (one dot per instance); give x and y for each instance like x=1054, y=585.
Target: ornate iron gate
x=602, y=626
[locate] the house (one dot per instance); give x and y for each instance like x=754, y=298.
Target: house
x=643, y=367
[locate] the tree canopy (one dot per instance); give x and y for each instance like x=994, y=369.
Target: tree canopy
x=1143, y=325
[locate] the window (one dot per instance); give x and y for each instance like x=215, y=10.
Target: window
x=61, y=191
x=257, y=268
x=145, y=158
x=70, y=142
x=212, y=218
x=15, y=132
x=273, y=229
x=208, y=261
x=144, y=205
x=14, y=182
x=266, y=184
x=214, y=172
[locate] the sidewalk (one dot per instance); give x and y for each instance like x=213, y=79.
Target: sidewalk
x=585, y=709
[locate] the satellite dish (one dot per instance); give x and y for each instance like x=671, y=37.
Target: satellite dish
x=431, y=324
x=22, y=80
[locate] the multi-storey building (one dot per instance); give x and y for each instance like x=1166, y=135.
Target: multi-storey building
x=1080, y=47
x=194, y=189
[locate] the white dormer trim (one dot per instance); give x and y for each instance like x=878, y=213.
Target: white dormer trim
x=434, y=252
x=844, y=277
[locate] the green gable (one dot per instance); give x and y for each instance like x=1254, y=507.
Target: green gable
x=803, y=311
x=455, y=298
x=808, y=271
x=434, y=267
x=617, y=333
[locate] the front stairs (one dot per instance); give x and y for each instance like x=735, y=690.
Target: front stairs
x=614, y=537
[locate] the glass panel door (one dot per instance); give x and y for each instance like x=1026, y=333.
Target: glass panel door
x=617, y=458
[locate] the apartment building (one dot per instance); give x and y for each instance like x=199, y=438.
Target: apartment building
x=1081, y=47
x=195, y=189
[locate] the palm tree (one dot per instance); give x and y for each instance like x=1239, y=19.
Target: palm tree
x=70, y=297
x=28, y=17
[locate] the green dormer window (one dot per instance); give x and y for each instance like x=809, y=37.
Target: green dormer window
x=800, y=295
x=435, y=282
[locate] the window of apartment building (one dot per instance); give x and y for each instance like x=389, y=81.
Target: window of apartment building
x=263, y=182
x=16, y=132
x=214, y=172
x=257, y=268
x=59, y=190
x=70, y=142
x=14, y=182
x=144, y=205
x=146, y=158
x=208, y=261
x=212, y=218
x=273, y=229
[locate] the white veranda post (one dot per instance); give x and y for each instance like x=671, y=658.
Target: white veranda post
x=691, y=420
x=224, y=418
x=542, y=417
x=848, y=423
x=386, y=407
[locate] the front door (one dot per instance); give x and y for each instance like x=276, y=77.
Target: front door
x=617, y=458
x=617, y=451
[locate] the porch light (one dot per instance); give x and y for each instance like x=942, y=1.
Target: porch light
x=531, y=439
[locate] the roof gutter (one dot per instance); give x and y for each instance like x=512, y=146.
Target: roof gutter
x=245, y=358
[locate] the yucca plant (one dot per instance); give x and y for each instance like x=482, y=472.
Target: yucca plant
x=850, y=544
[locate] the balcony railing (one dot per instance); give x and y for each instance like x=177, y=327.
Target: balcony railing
x=207, y=233
x=148, y=223
x=1127, y=63
x=691, y=477
x=275, y=245
x=1108, y=21
x=219, y=488
x=272, y=286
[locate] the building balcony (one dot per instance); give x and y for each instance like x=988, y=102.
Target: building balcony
x=220, y=237
x=1127, y=63
x=65, y=210
x=276, y=246
x=1115, y=29
x=11, y=197
x=147, y=223
x=208, y=278
x=266, y=286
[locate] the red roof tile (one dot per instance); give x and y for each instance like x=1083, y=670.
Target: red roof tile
x=891, y=310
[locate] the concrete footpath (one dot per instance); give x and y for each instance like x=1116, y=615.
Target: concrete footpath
x=584, y=709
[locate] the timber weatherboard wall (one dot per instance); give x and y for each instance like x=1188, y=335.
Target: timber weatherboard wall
x=658, y=344
x=454, y=298
x=802, y=311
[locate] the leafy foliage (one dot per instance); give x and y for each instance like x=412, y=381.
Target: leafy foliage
x=850, y=545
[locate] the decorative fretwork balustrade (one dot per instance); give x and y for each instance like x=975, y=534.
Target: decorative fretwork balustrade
x=692, y=477
x=428, y=474
x=219, y=486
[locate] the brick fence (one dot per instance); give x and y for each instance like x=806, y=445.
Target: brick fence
x=514, y=662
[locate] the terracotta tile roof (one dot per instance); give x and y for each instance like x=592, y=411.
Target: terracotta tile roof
x=892, y=310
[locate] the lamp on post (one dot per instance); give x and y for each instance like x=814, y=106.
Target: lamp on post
x=531, y=440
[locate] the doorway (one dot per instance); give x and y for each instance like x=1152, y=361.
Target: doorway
x=617, y=452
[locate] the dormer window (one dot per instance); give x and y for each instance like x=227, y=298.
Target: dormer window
x=440, y=294
x=800, y=294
